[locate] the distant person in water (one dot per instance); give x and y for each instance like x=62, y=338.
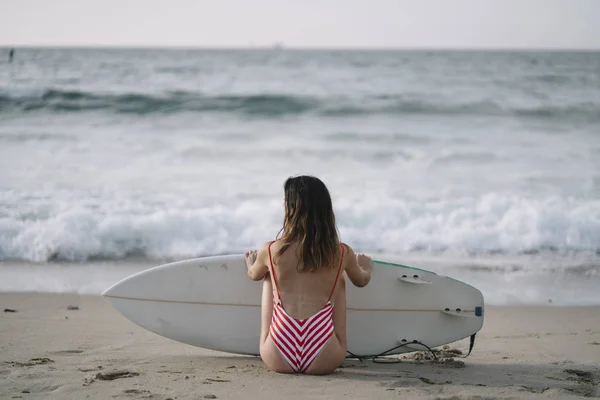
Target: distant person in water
x=11, y=55
x=304, y=283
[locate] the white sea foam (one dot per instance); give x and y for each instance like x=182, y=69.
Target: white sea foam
x=83, y=229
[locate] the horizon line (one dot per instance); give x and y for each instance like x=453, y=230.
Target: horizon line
x=281, y=47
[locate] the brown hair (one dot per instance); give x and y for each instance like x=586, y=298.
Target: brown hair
x=309, y=219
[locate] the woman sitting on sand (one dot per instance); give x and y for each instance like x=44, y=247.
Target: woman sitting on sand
x=303, y=326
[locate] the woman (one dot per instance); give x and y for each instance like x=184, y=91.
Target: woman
x=303, y=327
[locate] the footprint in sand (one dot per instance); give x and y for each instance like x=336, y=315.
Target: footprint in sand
x=112, y=375
x=136, y=391
x=63, y=352
x=31, y=362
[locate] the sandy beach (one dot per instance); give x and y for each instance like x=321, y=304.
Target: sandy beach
x=49, y=350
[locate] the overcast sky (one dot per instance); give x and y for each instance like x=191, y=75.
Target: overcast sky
x=303, y=23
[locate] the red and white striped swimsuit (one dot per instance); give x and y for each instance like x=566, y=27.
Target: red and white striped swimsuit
x=301, y=340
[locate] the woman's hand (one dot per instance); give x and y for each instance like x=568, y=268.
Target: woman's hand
x=250, y=257
x=255, y=261
x=358, y=268
x=364, y=261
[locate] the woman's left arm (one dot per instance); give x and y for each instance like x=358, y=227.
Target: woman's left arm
x=258, y=262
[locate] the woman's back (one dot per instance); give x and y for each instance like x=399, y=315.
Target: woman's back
x=302, y=293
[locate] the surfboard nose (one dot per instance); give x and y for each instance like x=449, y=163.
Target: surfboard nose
x=116, y=290
x=108, y=291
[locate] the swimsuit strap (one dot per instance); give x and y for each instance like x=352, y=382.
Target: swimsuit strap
x=338, y=274
x=273, y=272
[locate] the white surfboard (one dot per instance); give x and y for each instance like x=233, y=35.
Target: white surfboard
x=211, y=303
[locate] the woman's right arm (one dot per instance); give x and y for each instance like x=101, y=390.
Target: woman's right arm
x=358, y=267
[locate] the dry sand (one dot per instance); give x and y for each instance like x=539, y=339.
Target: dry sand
x=50, y=352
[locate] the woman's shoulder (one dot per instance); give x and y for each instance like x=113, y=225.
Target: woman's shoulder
x=266, y=249
x=346, y=247
x=270, y=243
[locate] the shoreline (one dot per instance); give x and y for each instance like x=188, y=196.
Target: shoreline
x=521, y=352
x=503, y=282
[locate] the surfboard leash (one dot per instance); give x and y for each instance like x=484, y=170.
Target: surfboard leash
x=375, y=358
x=388, y=361
x=471, y=345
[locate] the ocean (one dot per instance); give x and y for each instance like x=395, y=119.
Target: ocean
x=480, y=165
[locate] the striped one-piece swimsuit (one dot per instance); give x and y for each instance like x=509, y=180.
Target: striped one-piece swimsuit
x=301, y=340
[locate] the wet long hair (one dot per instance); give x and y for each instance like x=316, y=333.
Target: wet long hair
x=310, y=221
